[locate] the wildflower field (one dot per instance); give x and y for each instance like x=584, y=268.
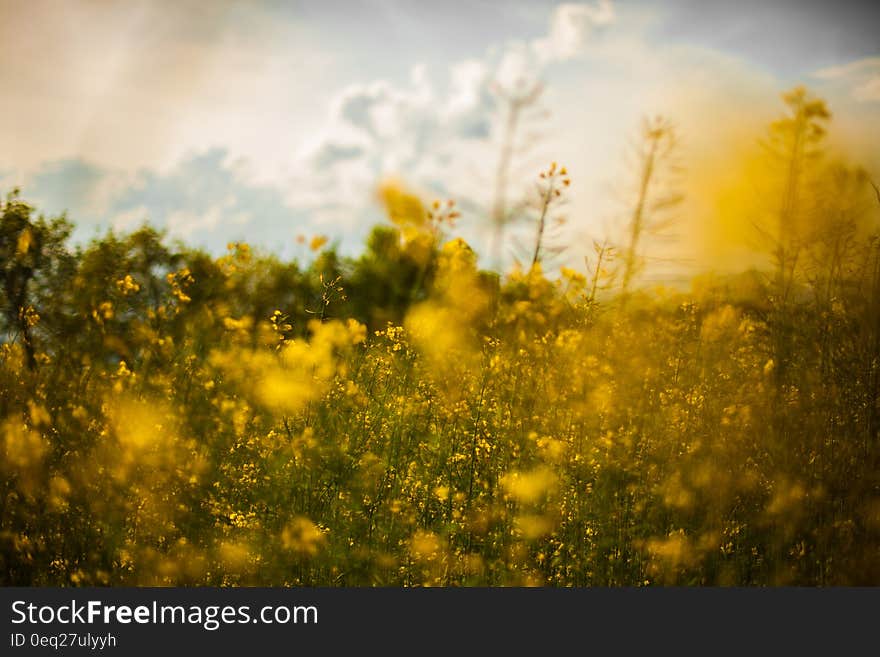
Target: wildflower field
x=409, y=418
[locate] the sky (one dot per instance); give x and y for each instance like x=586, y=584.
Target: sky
x=264, y=120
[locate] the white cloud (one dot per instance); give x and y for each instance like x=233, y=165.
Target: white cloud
x=571, y=27
x=130, y=219
x=439, y=133
x=855, y=68
x=381, y=129
x=145, y=87
x=188, y=223
x=861, y=77
x=469, y=100
x=869, y=90
x=142, y=83
x=295, y=151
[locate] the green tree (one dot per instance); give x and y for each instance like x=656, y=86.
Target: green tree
x=32, y=253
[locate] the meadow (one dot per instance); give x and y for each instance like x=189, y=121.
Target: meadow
x=408, y=418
